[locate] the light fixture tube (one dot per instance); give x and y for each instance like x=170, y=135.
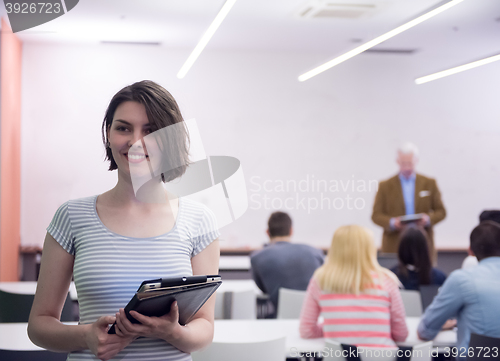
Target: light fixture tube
x=205, y=38
x=457, y=69
x=377, y=40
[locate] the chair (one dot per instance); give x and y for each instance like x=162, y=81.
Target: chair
x=480, y=344
x=219, y=306
x=427, y=294
x=336, y=352
x=236, y=305
x=422, y=352
x=387, y=260
x=15, y=307
x=377, y=353
x=290, y=303
x=270, y=350
x=265, y=308
x=41, y=355
x=412, y=302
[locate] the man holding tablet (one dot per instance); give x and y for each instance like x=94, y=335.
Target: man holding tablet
x=407, y=197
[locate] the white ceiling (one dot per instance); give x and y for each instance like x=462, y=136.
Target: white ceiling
x=468, y=31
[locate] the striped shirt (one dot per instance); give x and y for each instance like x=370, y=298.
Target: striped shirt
x=109, y=268
x=374, y=318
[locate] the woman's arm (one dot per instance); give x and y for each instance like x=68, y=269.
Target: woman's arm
x=198, y=333
x=44, y=327
x=309, y=327
x=399, y=330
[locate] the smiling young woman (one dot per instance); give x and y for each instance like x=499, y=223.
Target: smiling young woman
x=111, y=242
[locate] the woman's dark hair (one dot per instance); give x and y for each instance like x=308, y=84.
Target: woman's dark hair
x=414, y=250
x=162, y=110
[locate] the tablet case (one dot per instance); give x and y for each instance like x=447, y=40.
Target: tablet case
x=189, y=297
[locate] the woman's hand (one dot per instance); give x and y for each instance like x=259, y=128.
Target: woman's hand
x=164, y=327
x=102, y=344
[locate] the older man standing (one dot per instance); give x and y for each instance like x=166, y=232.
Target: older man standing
x=405, y=194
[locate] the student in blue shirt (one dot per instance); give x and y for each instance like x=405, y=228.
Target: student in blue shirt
x=471, y=295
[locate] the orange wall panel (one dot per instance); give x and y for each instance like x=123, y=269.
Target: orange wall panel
x=10, y=153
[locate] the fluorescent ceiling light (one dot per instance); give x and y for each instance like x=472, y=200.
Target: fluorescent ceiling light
x=378, y=40
x=457, y=69
x=205, y=38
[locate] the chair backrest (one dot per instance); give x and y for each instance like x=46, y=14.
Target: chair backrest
x=219, y=305
x=269, y=350
x=244, y=305
x=333, y=351
x=482, y=347
x=422, y=352
x=427, y=294
x=387, y=260
x=241, y=305
x=412, y=302
x=15, y=307
x=377, y=353
x=290, y=303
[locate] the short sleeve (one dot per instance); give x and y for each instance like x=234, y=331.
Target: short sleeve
x=207, y=230
x=60, y=229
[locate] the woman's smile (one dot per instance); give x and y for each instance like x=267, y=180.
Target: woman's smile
x=135, y=157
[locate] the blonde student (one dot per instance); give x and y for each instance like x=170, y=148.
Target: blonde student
x=358, y=299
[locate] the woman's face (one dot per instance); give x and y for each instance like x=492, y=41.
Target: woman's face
x=133, y=153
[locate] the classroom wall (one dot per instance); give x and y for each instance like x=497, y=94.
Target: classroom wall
x=10, y=153
x=340, y=129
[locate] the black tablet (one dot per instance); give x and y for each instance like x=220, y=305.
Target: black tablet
x=155, y=297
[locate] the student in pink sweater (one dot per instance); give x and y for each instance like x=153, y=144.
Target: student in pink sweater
x=358, y=299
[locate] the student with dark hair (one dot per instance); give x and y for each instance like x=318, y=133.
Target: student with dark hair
x=415, y=267
x=111, y=242
x=279, y=225
x=282, y=263
x=471, y=295
x=489, y=215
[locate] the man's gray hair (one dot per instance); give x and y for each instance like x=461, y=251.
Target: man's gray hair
x=408, y=148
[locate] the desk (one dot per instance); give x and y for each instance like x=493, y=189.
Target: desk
x=238, y=286
x=260, y=330
x=13, y=336
x=234, y=263
x=29, y=288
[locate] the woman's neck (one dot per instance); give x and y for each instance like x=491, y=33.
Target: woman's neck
x=151, y=192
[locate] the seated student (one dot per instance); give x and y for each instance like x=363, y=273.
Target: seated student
x=471, y=295
x=415, y=266
x=359, y=300
x=491, y=215
x=282, y=263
